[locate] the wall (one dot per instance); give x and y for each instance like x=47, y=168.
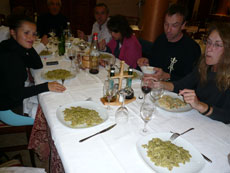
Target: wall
x=5, y=7
x=123, y=7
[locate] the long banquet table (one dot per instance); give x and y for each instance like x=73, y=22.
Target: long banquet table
x=115, y=151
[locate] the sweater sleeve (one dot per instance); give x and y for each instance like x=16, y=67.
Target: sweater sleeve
x=190, y=81
x=12, y=86
x=33, y=60
x=222, y=112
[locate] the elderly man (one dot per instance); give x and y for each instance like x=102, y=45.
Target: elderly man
x=173, y=54
x=53, y=21
x=101, y=14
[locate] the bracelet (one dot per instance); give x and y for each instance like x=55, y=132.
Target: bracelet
x=207, y=111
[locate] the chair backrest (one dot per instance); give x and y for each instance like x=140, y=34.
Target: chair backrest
x=2, y=19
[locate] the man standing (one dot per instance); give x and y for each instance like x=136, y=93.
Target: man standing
x=173, y=53
x=101, y=14
x=53, y=21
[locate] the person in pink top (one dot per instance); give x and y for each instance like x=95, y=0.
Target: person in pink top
x=124, y=45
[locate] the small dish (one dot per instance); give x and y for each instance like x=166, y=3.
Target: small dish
x=147, y=69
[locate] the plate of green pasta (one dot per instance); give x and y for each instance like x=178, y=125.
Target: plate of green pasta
x=57, y=74
x=82, y=114
x=167, y=156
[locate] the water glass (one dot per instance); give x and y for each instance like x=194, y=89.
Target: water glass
x=122, y=113
x=108, y=92
x=146, y=113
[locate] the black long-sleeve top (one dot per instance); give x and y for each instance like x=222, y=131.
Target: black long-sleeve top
x=48, y=22
x=14, y=61
x=185, y=51
x=208, y=93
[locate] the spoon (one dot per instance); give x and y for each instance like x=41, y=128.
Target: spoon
x=175, y=135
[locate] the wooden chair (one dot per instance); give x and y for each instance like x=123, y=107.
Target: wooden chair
x=6, y=129
x=2, y=19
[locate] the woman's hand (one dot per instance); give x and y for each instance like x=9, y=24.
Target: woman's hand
x=191, y=98
x=56, y=87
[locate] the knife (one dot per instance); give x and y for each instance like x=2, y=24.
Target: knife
x=206, y=158
x=102, y=131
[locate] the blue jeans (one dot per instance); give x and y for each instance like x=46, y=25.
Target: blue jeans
x=13, y=119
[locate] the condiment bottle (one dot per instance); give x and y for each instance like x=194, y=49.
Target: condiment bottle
x=94, y=55
x=128, y=89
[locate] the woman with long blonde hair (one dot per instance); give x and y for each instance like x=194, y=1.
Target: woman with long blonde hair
x=207, y=88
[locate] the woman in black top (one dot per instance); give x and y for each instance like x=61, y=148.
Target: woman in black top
x=17, y=54
x=207, y=88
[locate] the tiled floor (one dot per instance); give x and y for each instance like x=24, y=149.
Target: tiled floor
x=20, y=139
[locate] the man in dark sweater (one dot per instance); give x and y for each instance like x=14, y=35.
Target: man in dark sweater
x=53, y=21
x=173, y=54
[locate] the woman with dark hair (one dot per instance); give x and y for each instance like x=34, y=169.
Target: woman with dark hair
x=207, y=88
x=17, y=54
x=124, y=44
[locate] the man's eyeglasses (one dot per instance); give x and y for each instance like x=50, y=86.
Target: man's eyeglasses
x=215, y=44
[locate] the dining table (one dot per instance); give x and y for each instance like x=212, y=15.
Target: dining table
x=117, y=150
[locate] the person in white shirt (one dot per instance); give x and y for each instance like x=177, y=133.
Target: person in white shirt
x=101, y=14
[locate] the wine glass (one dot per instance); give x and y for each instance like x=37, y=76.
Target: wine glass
x=156, y=93
x=108, y=92
x=146, y=86
x=121, y=115
x=146, y=113
x=71, y=53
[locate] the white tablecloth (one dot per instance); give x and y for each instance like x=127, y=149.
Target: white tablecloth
x=115, y=151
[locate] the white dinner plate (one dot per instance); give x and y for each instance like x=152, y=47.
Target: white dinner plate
x=47, y=54
x=84, y=104
x=43, y=74
x=186, y=108
x=195, y=164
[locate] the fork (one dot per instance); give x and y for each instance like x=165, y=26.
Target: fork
x=229, y=158
x=175, y=135
x=62, y=81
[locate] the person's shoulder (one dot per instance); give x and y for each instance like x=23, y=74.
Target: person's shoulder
x=161, y=38
x=132, y=41
x=189, y=41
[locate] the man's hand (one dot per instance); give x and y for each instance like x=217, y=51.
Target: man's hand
x=142, y=62
x=45, y=40
x=160, y=74
x=82, y=35
x=102, y=45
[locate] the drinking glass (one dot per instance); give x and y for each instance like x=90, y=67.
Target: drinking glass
x=146, y=86
x=122, y=113
x=71, y=53
x=156, y=93
x=108, y=92
x=146, y=113
x=52, y=35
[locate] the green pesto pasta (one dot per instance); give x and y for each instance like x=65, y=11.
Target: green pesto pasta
x=82, y=117
x=58, y=74
x=169, y=102
x=166, y=154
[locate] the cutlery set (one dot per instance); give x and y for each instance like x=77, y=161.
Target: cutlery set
x=175, y=135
